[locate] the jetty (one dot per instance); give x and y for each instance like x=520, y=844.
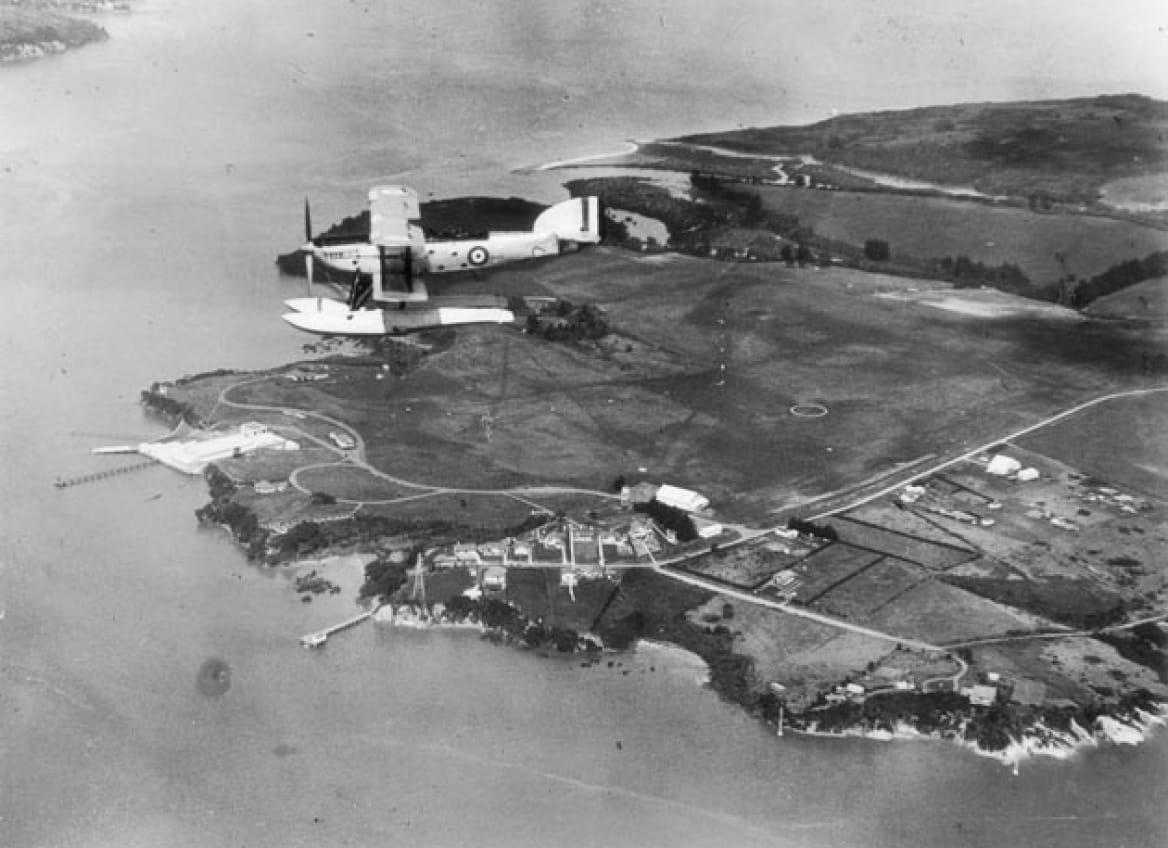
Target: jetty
x=102, y=475
x=315, y=640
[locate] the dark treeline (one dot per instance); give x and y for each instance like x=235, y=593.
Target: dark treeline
x=309, y=537
x=747, y=210
x=810, y=528
x=966, y=273
x=169, y=408
x=1117, y=277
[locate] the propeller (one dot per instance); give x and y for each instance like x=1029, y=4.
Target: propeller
x=308, y=247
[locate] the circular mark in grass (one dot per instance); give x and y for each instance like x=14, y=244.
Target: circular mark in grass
x=214, y=678
x=808, y=410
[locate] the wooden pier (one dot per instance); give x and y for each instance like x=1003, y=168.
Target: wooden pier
x=102, y=475
x=315, y=640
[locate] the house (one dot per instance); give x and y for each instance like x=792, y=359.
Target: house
x=493, y=551
x=1026, y=475
x=980, y=696
x=467, y=554
x=495, y=578
x=269, y=487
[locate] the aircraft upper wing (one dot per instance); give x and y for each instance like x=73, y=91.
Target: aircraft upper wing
x=391, y=208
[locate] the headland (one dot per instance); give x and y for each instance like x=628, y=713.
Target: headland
x=32, y=30
x=962, y=539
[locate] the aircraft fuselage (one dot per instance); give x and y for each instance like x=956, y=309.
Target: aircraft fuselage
x=438, y=257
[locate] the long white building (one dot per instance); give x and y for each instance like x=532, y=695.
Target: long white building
x=679, y=498
x=194, y=455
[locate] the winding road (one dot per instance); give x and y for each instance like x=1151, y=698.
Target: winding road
x=356, y=457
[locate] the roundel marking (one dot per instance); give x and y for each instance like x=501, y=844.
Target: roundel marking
x=477, y=256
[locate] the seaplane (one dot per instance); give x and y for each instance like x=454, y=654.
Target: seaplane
x=388, y=269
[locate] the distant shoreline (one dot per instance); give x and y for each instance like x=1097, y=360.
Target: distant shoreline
x=45, y=29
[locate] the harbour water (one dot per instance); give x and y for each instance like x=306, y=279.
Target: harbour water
x=146, y=185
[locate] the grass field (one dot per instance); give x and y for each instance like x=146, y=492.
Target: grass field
x=1121, y=442
x=499, y=408
x=537, y=591
x=830, y=566
x=885, y=514
x=351, y=483
x=935, y=612
x=745, y=565
x=478, y=515
x=870, y=589
x=919, y=551
x=1147, y=301
x=1046, y=247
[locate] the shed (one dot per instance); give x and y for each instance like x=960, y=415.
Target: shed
x=1003, y=465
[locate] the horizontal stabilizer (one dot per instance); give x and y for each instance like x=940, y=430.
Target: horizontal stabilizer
x=575, y=220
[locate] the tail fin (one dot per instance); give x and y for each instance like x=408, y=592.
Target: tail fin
x=575, y=220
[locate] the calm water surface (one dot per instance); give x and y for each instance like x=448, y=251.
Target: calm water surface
x=145, y=186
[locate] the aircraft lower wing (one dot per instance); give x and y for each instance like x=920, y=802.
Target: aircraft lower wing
x=332, y=318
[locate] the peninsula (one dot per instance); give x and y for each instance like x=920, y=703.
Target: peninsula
x=36, y=28
x=875, y=492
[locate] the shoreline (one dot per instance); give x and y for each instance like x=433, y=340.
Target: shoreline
x=630, y=148
x=1038, y=741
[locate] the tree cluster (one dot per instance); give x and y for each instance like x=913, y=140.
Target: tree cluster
x=966, y=273
x=383, y=578
x=168, y=407
x=744, y=208
x=567, y=322
x=810, y=528
x=877, y=250
x=671, y=518
x=223, y=509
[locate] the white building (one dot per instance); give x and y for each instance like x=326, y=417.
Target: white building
x=495, y=578
x=1002, y=465
x=192, y=457
x=682, y=499
x=706, y=528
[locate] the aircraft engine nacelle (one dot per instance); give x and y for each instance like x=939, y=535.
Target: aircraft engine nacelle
x=347, y=258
